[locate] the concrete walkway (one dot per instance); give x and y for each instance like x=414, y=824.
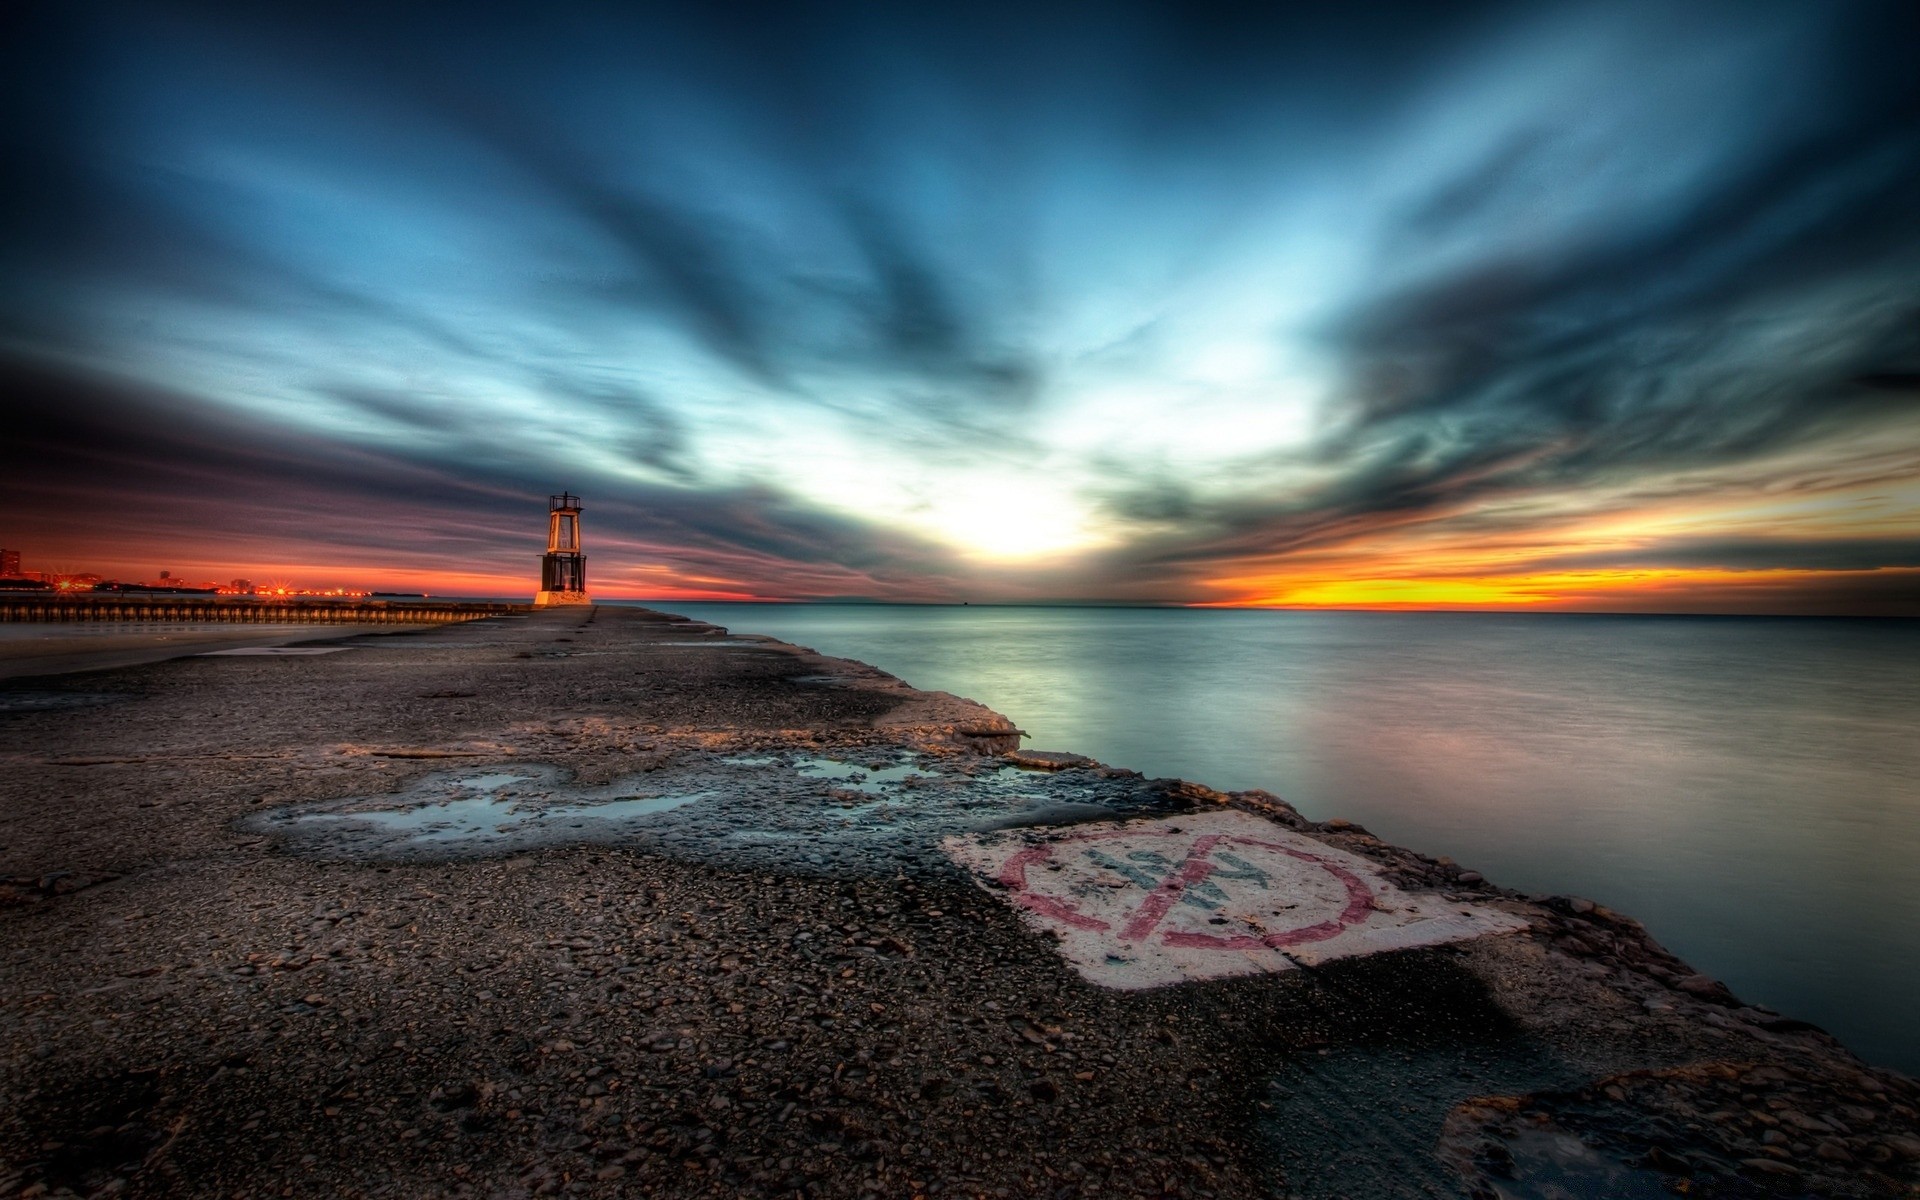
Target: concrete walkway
x=605, y=902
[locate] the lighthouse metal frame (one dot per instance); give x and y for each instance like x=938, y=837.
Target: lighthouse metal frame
x=563, y=569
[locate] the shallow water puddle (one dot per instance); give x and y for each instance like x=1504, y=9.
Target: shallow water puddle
x=1207, y=895
x=872, y=811
x=27, y=702
x=274, y=651
x=853, y=777
x=485, y=807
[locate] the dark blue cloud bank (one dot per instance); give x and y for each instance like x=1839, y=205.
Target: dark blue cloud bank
x=1035, y=301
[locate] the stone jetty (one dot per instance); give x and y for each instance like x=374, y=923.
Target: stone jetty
x=598, y=901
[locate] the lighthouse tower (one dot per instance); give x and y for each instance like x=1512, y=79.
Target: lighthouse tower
x=563, y=569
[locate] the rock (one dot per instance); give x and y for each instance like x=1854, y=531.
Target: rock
x=1831, y=1150
x=1580, y=905
x=1472, y=877
x=1047, y=760
x=1706, y=988
x=1804, y=1123
x=1768, y=1166
x=1905, y=1145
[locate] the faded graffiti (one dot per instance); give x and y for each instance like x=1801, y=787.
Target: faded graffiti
x=1222, y=893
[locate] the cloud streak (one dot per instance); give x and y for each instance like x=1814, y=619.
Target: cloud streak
x=1014, y=303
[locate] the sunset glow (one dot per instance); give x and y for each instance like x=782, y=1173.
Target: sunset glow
x=1579, y=307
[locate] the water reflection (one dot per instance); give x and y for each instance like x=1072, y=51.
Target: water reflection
x=1748, y=787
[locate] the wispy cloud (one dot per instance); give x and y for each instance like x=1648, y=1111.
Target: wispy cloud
x=1013, y=302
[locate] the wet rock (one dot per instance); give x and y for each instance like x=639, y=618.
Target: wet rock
x=1048, y=760
x=1706, y=988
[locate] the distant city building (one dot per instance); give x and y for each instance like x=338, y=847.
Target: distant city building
x=241, y=585
x=563, y=569
x=9, y=564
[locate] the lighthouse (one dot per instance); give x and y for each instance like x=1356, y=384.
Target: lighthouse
x=563, y=569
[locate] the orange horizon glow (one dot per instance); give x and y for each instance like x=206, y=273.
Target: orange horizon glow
x=1543, y=591
x=1339, y=580
x=1550, y=555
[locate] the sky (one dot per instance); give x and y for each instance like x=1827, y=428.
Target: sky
x=1596, y=306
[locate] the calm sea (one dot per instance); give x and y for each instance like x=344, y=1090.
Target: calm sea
x=1748, y=787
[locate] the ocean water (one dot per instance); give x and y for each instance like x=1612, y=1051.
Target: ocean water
x=1747, y=787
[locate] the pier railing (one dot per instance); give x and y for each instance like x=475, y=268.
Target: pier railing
x=244, y=610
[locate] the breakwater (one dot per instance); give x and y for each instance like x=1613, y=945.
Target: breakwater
x=609, y=897
x=244, y=610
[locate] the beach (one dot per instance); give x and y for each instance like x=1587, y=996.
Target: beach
x=603, y=901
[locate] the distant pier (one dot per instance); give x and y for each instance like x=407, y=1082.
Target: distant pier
x=243, y=610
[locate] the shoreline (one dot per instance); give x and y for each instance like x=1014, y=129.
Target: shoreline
x=501, y=1010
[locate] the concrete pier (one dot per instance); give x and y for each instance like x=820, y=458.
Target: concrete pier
x=606, y=902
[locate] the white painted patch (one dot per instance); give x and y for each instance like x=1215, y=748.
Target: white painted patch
x=275, y=650
x=1146, y=903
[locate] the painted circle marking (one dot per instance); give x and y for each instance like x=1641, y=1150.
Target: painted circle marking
x=1147, y=916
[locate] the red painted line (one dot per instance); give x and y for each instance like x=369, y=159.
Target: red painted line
x=1153, y=909
x=1194, y=868
x=1014, y=875
x=1359, y=905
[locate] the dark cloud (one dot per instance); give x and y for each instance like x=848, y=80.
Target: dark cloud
x=923, y=330
x=1747, y=554
x=1654, y=349
x=138, y=473
x=927, y=227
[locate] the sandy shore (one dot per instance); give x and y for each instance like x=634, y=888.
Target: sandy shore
x=360, y=923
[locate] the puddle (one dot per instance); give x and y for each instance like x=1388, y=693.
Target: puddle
x=26, y=702
x=868, y=813
x=487, y=808
x=276, y=651
x=853, y=777
x=490, y=783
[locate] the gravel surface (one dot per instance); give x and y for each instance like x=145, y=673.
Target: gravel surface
x=227, y=973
